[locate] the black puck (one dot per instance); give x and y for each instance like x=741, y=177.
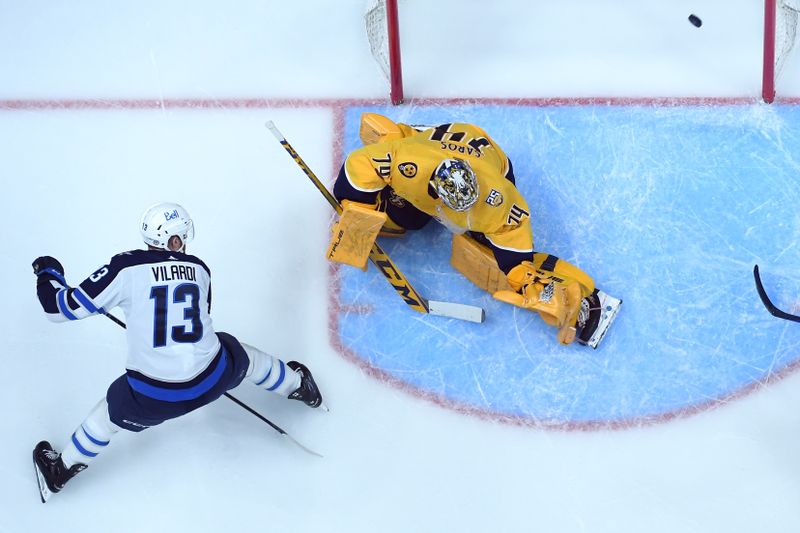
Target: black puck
x=695, y=20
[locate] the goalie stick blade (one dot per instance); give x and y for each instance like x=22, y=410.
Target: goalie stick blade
x=774, y=311
x=44, y=492
x=470, y=313
x=609, y=307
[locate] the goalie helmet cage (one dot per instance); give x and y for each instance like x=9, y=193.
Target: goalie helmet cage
x=384, y=41
x=780, y=33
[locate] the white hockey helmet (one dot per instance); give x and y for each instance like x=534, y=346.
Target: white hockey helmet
x=456, y=184
x=165, y=220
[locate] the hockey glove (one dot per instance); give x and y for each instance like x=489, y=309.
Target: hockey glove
x=48, y=266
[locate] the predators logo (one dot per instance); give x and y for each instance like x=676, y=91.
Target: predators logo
x=395, y=199
x=409, y=170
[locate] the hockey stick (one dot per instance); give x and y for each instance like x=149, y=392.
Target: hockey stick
x=381, y=260
x=774, y=311
x=235, y=400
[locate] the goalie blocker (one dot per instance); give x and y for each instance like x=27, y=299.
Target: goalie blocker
x=354, y=234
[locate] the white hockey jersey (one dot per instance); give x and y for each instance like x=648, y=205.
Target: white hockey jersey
x=166, y=298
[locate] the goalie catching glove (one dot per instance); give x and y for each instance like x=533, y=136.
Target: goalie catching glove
x=557, y=300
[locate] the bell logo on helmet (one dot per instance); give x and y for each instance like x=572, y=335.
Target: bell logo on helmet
x=162, y=221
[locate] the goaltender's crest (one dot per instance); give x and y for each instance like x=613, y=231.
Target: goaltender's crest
x=409, y=170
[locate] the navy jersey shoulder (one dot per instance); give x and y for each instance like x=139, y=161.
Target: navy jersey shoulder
x=103, y=276
x=143, y=257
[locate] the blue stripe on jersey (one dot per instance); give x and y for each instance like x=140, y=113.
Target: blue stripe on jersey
x=180, y=395
x=62, y=305
x=81, y=449
x=85, y=301
x=280, y=378
x=94, y=440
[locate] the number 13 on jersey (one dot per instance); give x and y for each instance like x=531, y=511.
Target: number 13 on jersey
x=185, y=300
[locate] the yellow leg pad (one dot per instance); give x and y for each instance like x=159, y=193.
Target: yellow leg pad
x=477, y=263
x=574, y=295
x=354, y=234
x=563, y=269
x=550, y=300
x=550, y=320
x=556, y=301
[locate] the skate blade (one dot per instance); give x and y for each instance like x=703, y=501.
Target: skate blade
x=44, y=492
x=610, y=308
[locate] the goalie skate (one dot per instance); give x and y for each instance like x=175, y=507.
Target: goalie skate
x=608, y=309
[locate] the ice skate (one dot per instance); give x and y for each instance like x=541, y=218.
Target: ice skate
x=596, y=315
x=307, y=392
x=51, y=472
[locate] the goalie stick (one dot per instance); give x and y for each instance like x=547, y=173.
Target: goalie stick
x=235, y=400
x=381, y=260
x=774, y=311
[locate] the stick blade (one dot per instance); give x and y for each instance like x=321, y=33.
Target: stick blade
x=469, y=313
x=771, y=308
x=304, y=448
x=761, y=292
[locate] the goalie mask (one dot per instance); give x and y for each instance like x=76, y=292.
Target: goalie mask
x=456, y=184
x=165, y=220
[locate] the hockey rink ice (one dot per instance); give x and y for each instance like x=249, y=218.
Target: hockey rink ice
x=663, y=178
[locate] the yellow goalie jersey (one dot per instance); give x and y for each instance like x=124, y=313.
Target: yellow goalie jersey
x=408, y=164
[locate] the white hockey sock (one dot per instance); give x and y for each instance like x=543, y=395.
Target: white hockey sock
x=270, y=372
x=91, y=437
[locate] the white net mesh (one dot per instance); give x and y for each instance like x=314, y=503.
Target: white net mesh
x=377, y=34
x=785, y=31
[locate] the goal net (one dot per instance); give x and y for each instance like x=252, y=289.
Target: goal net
x=383, y=33
x=780, y=34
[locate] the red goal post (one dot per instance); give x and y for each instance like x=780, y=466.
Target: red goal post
x=780, y=34
x=383, y=32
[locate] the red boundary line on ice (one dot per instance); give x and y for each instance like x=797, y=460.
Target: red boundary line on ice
x=342, y=103
x=338, y=108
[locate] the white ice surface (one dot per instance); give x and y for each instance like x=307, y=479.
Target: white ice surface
x=76, y=180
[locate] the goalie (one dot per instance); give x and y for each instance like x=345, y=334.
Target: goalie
x=455, y=173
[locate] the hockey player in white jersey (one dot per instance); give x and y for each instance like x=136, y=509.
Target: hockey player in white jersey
x=176, y=361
